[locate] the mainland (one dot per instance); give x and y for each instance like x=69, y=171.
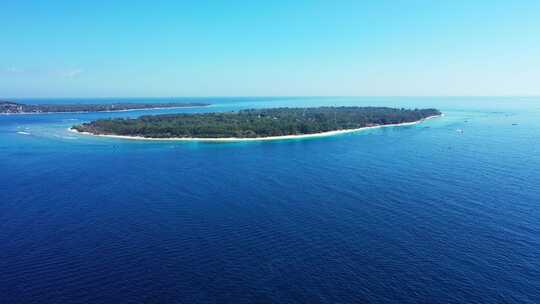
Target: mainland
x=9, y=107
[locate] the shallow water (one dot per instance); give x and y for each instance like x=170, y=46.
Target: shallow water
x=415, y=214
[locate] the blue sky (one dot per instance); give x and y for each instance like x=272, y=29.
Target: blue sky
x=261, y=48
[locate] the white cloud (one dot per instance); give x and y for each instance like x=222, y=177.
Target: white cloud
x=13, y=70
x=40, y=72
x=71, y=73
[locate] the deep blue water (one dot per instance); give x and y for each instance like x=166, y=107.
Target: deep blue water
x=416, y=214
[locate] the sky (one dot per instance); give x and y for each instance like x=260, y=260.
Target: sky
x=68, y=48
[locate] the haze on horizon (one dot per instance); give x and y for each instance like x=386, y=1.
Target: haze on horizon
x=272, y=48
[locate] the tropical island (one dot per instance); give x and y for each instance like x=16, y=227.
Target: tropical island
x=8, y=107
x=255, y=124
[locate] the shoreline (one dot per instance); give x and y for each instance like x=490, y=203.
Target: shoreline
x=108, y=111
x=267, y=138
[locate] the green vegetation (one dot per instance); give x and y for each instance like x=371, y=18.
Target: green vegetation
x=255, y=123
x=7, y=107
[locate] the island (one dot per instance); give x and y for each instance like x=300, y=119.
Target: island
x=255, y=124
x=8, y=107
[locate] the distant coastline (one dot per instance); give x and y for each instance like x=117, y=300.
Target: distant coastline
x=268, y=138
x=13, y=108
x=109, y=111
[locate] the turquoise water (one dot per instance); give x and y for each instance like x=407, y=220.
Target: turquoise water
x=446, y=211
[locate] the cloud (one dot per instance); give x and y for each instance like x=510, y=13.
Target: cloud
x=71, y=73
x=13, y=70
x=40, y=72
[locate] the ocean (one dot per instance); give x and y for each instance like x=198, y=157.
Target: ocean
x=446, y=211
